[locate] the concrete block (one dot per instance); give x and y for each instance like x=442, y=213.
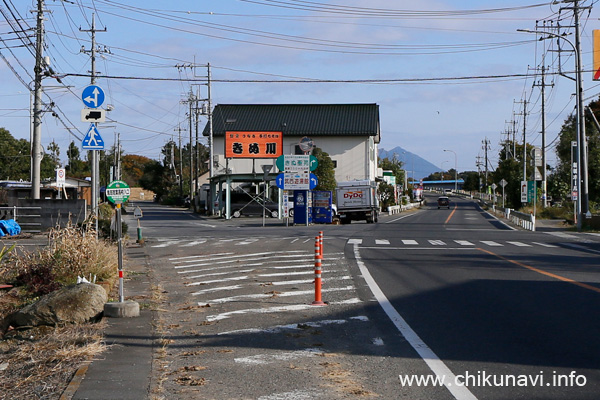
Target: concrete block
x=126, y=309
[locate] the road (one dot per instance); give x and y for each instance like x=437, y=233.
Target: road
x=508, y=312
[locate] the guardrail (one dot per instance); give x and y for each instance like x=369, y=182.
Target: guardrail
x=392, y=210
x=524, y=220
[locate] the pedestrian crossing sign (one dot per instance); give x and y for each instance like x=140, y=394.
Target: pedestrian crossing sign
x=92, y=139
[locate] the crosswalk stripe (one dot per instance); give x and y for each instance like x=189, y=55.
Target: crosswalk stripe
x=410, y=242
x=355, y=241
x=464, y=243
x=382, y=241
x=491, y=243
x=437, y=242
x=544, y=244
x=519, y=244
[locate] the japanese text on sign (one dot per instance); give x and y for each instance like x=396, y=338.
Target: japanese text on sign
x=253, y=144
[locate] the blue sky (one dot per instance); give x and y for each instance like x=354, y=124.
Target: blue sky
x=446, y=74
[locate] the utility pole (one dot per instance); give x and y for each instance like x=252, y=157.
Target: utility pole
x=486, y=147
x=192, y=183
x=542, y=84
x=583, y=150
x=36, y=146
x=180, y=129
x=524, y=114
x=478, y=163
x=95, y=162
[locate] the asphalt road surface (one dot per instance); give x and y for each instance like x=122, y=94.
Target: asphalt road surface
x=428, y=304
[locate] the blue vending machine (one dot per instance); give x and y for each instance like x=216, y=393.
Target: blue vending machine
x=301, y=202
x=321, y=206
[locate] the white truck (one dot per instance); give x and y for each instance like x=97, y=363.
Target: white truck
x=357, y=201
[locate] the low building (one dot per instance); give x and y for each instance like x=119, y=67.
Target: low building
x=248, y=136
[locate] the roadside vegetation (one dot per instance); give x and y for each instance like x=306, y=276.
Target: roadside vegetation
x=39, y=363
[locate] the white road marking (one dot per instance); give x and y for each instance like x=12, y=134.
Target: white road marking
x=167, y=244
x=236, y=278
x=271, y=310
x=410, y=242
x=354, y=241
x=209, y=256
x=293, y=273
x=309, y=394
x=297, y=282
x=378, y=341
x=382, y=241
x=437, y=242
x=285, y=356
x=241, y=271
x=464, y=243
x=190, y=271
x=194, y=243
x=280, y=328
x=544, y=244
x=519, y=244
x=269, y=295
x=399, y=218
x=491, y=243
x=247, y=256
x=218, y=289
x=436, y=365
x=267, y=310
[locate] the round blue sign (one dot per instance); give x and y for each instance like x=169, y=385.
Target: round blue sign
x=93, y=96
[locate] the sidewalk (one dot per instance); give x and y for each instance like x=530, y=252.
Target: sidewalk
x=123, y=372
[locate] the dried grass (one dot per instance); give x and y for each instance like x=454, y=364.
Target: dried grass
x=40, y=365
x=71, y=252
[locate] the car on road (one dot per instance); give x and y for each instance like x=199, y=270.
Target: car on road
x=443, y=201
x=246, y=204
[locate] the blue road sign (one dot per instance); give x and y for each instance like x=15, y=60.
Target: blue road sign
x=92, y=139
x=314, y=181
x=279, y=180
x=93, y=96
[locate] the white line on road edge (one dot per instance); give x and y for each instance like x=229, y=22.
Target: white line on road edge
x=434, y=363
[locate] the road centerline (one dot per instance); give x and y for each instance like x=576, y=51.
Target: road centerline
x=542, y=272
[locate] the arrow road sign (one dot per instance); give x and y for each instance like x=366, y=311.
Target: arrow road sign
x=92, y=139
x=314, y=163
x=93, y=96
x=280, y=181
x=314, y=181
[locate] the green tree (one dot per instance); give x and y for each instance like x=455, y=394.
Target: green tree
x=386, y=193
x=511, y=170
x=325, y=171
x=76, y=167
x=54, y=154
x=568, y=134
x=395, y=166
x=159, y=179
x=132, y=168
x=15, y=157
x=471, y=179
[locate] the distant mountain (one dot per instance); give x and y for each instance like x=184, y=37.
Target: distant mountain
x=421, y=167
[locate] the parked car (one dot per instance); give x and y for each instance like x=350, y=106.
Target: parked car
x=243, y=203
x=443, y=202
